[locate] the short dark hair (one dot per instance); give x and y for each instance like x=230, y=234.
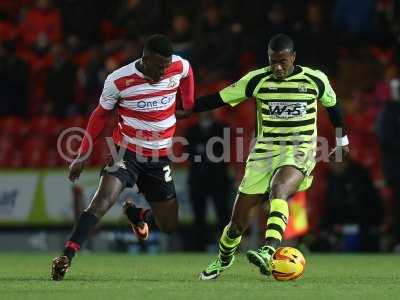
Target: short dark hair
x=159, y=43
x=281, y=42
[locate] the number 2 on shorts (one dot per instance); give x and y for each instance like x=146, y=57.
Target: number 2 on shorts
x=167, y=174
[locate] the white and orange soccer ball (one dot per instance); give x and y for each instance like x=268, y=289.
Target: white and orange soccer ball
x=288, y=264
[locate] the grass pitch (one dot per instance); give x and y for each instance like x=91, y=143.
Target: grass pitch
x=143, y=277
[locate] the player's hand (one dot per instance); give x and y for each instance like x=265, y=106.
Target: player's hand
x=75, y=169
x=183, y=114
x=339, y=152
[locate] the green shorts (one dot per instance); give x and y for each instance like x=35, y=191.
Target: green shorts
x=260, y=170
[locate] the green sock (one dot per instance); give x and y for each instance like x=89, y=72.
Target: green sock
x=276, y=223
x=227, y=245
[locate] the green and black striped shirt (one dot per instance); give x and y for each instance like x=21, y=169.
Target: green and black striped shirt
x=286, y=109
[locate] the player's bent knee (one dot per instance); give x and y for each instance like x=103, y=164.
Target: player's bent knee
x=279, y=190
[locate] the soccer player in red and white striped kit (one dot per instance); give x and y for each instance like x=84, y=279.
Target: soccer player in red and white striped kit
x=143, y=93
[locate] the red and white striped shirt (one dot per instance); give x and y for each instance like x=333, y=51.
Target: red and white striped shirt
x=146, y=110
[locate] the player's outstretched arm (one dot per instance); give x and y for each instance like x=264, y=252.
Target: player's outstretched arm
x=208, y=102
x=342, y=141
x=231, y=95
x=205, y=103
x=96, y=124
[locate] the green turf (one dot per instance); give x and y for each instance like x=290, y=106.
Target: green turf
x=103, y=276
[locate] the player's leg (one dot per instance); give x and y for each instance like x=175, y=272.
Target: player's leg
x=105, y=197
x=232, y=234
x=159, y=190
x=165, y=214
x=284, y=183
x=157, y=185
x=139, y=218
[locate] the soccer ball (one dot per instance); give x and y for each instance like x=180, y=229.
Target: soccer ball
x=287, y=264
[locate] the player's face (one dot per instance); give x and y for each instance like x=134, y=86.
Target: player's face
x=281, y=63
x=155, y=65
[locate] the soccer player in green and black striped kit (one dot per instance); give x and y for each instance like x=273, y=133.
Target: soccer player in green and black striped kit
x=283, y=157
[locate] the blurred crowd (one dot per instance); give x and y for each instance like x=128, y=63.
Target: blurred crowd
x=55, y=55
